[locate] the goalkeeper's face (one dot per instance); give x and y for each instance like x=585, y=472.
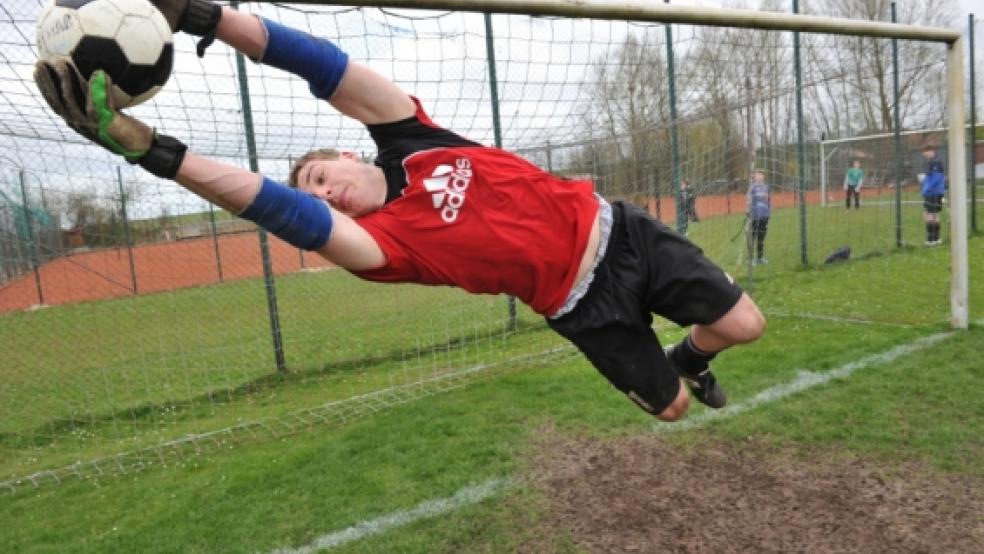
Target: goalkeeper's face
x=346, y=184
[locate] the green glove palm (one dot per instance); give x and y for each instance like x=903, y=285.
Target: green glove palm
x=89, y=108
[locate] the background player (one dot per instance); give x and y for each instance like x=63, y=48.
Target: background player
x=759, y=199
x=933, y=189
x=852, y=185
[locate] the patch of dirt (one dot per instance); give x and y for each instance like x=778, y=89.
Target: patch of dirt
x=644, y=495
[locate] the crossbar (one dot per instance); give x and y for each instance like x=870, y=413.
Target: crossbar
x=666, y=13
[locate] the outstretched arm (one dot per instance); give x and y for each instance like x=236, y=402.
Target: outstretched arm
x=290, y=214
x=350, y=87
x=293, y=215
x=353, y=89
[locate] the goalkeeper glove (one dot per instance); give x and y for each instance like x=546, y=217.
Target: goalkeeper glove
x=195, y=17
x=89, y=109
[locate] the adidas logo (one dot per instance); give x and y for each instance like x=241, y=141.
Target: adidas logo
x=447, y=185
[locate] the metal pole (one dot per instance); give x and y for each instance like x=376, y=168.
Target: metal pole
x=126, y=230
x=957, y=140
x=30, y=240
x=973, y=130
x=750, y=126
x=644, y=10
x=271, y=291
x=496, y=123
x=898, y=137
x=804, y=258
x=681, y=216
x=215, y=240
x=750, y=132
x=823, y=175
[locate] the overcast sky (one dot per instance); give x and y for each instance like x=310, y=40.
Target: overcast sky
x=208, y=106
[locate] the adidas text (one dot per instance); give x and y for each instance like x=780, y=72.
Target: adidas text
x=447, y=186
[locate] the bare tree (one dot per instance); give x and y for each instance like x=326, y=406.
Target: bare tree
x=633, y=109
x=854, y=74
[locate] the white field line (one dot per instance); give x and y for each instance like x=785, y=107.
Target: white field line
x=430, y=508
x=476, y=493
x=804, y=380
x=838, y=319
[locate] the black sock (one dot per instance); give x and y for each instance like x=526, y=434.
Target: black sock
x=690, y=359
x=936, y=230
x=929, y=231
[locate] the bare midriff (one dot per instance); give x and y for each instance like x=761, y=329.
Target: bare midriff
x=590, y=252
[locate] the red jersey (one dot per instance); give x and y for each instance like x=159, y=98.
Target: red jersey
x=487, y=221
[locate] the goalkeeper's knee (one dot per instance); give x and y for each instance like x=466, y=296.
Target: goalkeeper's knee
x=295, y=216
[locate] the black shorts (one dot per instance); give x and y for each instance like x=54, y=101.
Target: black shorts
x=933, y=203
x=647, y=269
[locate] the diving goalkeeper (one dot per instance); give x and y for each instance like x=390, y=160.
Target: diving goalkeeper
x=438, y=209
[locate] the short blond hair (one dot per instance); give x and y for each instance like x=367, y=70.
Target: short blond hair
x=329, y=154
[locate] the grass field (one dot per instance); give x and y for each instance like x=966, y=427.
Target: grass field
x=92, y=380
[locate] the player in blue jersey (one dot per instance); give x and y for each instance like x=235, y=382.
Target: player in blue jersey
x=933, y=189
x=759, y=200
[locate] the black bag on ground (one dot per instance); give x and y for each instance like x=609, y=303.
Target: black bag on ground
x=842, y=254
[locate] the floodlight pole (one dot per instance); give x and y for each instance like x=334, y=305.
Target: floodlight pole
x=957, y=142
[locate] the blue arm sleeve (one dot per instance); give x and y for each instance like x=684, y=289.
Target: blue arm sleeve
x=318, y=61
x=297, y=217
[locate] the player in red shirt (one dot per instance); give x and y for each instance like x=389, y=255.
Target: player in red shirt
x=439, y=209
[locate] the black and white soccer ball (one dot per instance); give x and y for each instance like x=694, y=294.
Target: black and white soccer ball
x=128, y=39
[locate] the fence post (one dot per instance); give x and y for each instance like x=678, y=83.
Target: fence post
x=804, y=258
x=898, y=136
x=126, y=229
x=496, y=122
x=681, y=217
x=215, y=240
x=973, y=131
x=29, y=226
x=271, y=291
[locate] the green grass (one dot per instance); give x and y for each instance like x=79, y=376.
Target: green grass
x=287, y=492
x=96, y=379
x=140, y=384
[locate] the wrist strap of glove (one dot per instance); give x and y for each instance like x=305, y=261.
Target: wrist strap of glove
x=201, y=18
x=164, y=157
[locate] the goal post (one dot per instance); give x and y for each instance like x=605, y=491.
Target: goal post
x=774, y=21
x=959, y=271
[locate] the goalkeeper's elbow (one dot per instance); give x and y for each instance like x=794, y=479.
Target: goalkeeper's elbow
x=295, y=216
x=319, y=61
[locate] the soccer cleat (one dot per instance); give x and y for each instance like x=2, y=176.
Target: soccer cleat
x=703, y=386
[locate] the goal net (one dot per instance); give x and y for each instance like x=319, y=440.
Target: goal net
x=142, y=326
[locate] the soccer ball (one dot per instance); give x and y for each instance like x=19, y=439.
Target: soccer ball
x=128, y=39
